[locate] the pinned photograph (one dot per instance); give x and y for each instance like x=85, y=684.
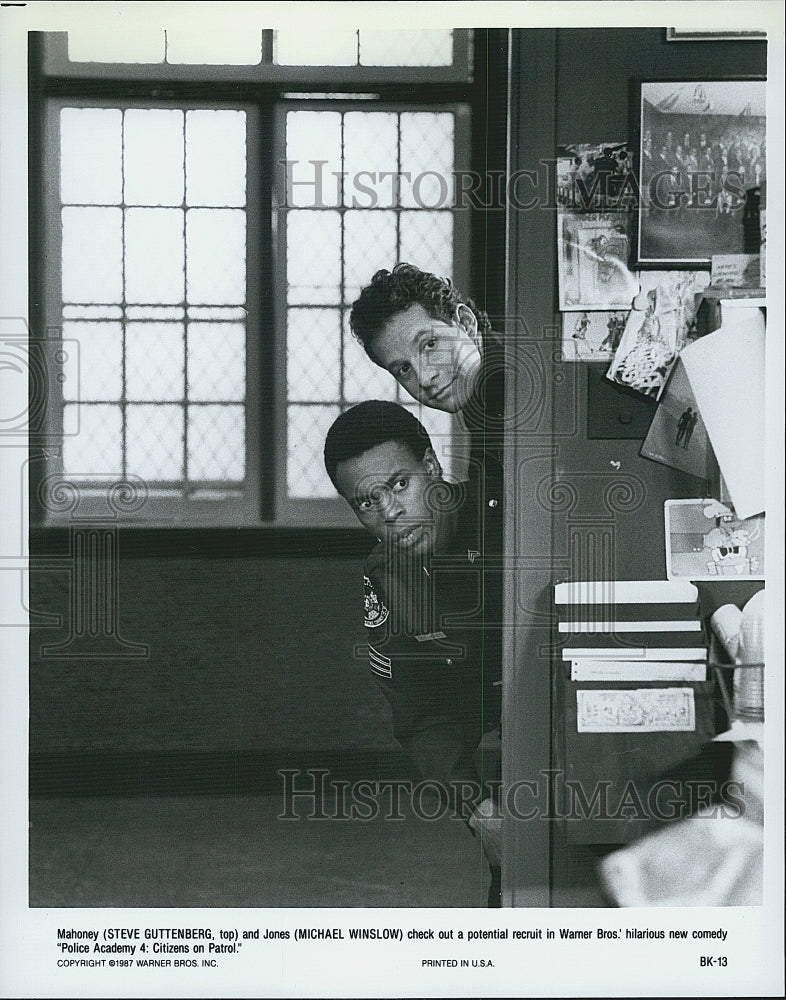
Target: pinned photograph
x=592, y=178
x=677, y=435
x=592, y=336
x=593, y=252
x=705, y=540
x=661, y=323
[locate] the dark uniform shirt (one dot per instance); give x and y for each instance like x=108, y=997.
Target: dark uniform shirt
x=433, y=649
x=484, y=418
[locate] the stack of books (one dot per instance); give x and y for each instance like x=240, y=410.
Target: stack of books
x=632, y=630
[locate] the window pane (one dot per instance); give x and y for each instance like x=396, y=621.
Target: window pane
x=313, y=354
x=155, y=361
x=233, y=46
x=131, y=45
x=216, y=158
x=92, y=255
x=155, y=442
x=216, y=443
x=427, y=155
x=370, y=147
x=369, y=244
x=96, y=449
x=406, y=47
x=153, y=157
x=427, y=241
x=439, y=426
x=216, y=256
x=216, y=361
x=302, y=47
x=154, y=255
x=313, y=257
x=362, y=378
x=313, y=135
x=95, y=370
x=90, y=156
x=307, y=427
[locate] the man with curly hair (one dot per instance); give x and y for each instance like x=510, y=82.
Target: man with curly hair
x=441, y=349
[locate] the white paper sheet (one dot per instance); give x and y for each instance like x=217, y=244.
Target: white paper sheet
x=726, y=373
x=644, y=710
x=636, y=670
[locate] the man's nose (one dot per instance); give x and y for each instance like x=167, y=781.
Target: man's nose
x=429, y=373
x=392, y=509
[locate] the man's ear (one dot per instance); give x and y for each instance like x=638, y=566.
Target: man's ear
x=467, y=320
x=431, y=464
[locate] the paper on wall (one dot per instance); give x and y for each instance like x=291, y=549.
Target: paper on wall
x=726, y=374
x=636, y=670
x=639, y=710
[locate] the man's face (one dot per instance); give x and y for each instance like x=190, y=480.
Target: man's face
x=388, y=488
x=437, y=363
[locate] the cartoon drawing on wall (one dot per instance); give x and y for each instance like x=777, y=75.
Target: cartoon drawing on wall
x=705, y=540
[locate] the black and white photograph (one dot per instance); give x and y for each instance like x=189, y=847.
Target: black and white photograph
x=359, y=630
x=702, y=166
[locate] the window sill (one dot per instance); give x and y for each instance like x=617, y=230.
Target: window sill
x=264, y=542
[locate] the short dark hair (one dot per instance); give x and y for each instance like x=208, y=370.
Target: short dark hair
x=368, y=424
x=390, y=292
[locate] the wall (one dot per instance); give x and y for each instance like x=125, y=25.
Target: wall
x=571, y=513
x=250, y=668
x=596, y=76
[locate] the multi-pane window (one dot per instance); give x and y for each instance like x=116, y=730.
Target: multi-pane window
x=364, y=188
x=153, y=270
x=299, y=47
x=203, y=256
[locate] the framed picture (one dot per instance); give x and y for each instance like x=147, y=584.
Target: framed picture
x=701, y=164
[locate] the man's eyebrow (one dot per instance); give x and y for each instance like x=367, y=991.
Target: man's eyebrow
x=416, y=336
x=395, y=477
x=386, y=484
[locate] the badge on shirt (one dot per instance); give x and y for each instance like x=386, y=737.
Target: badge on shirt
x=376, y=613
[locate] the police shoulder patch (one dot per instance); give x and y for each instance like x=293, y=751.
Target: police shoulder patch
x=375, y=612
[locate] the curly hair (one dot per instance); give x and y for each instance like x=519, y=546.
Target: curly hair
x=390, y=292
x=369, y=424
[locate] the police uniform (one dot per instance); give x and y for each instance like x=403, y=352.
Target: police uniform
x=432, y=649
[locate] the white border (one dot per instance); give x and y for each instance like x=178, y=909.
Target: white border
x=548, y=968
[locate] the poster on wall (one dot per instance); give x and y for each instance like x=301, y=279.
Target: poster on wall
x=593, y=250
x=701, y=161
x=660, y=324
